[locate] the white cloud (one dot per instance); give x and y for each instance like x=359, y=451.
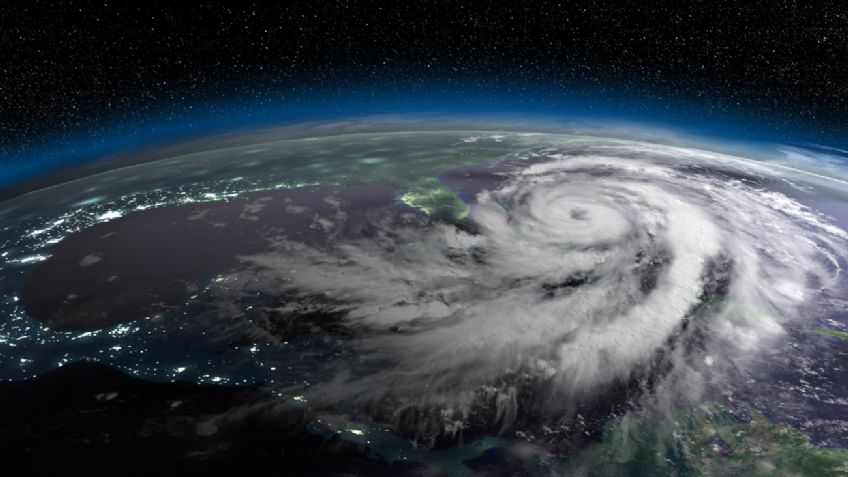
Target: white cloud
x=584, y=266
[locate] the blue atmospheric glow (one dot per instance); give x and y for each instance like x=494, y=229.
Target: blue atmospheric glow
x=182, y=121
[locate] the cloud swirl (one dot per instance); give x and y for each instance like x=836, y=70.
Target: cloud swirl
x=574, y=269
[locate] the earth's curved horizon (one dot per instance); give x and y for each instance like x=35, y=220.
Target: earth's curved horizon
x=444, y=296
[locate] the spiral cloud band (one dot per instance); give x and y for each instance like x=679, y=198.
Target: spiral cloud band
x=576, y=265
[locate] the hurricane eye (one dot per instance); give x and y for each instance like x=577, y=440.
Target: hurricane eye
x=579, y=214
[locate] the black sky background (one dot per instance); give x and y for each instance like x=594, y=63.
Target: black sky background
x=67, y=66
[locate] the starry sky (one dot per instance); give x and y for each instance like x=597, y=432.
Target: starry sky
x=78, y=69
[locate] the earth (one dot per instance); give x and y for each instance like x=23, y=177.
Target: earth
x=430, y=297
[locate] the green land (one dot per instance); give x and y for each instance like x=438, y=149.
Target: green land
x=834, y=333
x=708, y=441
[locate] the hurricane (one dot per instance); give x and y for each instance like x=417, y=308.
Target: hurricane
x=579, y=269
x=576, y=300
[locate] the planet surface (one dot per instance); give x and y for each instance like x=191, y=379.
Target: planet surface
x=432, y=297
